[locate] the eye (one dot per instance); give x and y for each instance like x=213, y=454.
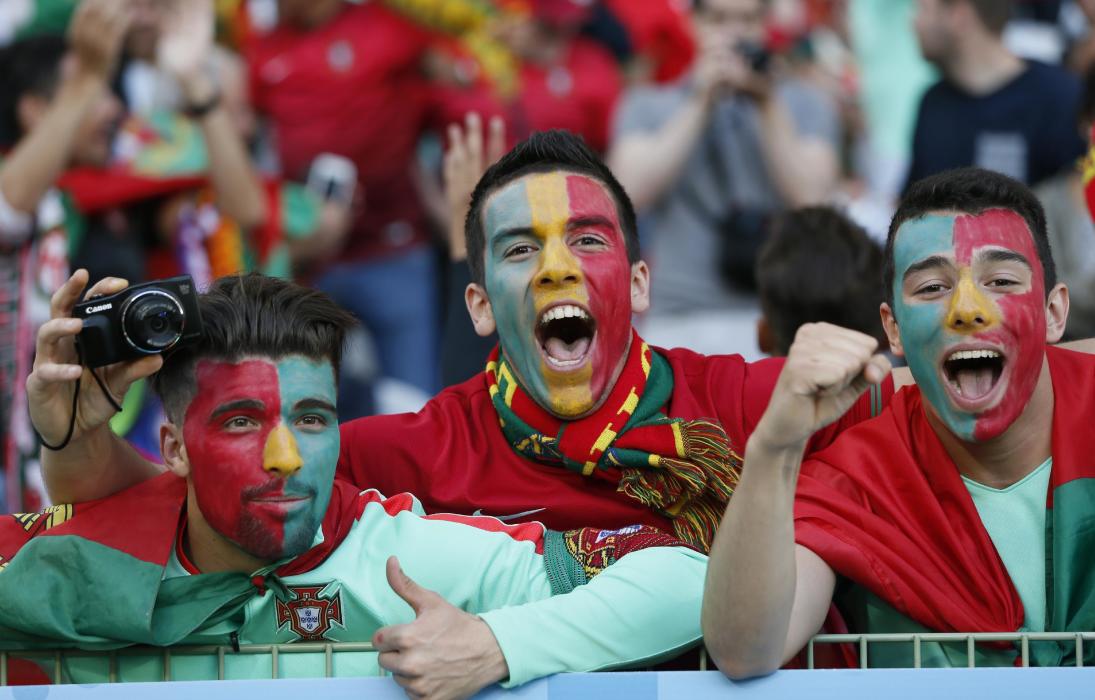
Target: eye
x=1003, y=282
x=586, y=240
x=930, y=289
x=313, y=422
x=240, y=424
x=519, y=251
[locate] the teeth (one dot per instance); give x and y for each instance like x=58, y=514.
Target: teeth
x=973, y=355
x=566, y=311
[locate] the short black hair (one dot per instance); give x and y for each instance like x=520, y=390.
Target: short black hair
x=544, y=151
x=30, y=66
x=994, y=14
x=971, y=191
x=817, y=265
x=253, y=315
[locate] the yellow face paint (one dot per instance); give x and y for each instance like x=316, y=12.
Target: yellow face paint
x=280, y=453
x=970, y=311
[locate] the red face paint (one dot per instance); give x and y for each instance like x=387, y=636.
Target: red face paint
x=226, y=452
x=1021, y=331
x=608, y=280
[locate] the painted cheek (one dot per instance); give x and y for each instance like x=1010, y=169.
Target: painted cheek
x=224, y=464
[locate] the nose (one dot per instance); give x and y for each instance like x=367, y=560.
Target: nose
x=280, y=455
x=970, y=310
x=557, y=265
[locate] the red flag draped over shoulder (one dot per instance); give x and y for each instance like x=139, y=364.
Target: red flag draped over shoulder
x=886, y=507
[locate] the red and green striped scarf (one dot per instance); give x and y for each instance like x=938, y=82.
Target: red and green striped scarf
x=885, y=507
x=684, y=470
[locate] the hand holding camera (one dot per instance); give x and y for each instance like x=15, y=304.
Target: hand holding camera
x=122, y=330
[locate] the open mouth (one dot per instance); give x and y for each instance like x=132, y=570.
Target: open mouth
x=972, y=375
x=565, y=333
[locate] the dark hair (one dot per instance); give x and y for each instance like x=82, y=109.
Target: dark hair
x=29, y=66
x=544, y=151
x=971, y=191
x=817, y=265
x=994, y=14
x=253, y=314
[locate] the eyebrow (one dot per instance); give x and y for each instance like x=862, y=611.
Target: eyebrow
x=242, y=404
x=314, y=404
x=925, y=264
x=1004, y=256
x=590, y=221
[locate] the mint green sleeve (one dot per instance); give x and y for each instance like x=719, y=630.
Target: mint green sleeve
x=642, y=608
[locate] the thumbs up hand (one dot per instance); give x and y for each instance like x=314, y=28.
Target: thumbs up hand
x=445, y=653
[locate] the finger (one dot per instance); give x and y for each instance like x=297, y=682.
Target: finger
x=53, y=373
x=416, y=596
x=105, y=287
x=50, y=335
x=390, y=638
x=877, y=369
x=62, y=301
x=474, y=128
x=496, y=140
x=396, y=663
x=119, y=377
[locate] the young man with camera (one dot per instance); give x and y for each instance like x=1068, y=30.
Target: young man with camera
x=250, y=539
x=708, y=161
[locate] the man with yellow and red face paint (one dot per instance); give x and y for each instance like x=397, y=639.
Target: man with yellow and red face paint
x=574, y=419
x=250, y=538
x=963, y=507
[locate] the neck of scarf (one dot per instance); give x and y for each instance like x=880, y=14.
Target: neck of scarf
x=684, y=470
x=887, y=508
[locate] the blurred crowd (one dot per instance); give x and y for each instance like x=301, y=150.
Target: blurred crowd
x=764, y=144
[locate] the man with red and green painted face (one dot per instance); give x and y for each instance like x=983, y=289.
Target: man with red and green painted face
x=962, y=508
x=250, y=537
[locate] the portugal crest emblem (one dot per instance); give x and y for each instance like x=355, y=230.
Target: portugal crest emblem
x=310, y=615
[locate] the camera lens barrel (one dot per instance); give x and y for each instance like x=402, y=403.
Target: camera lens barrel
x=152, y=321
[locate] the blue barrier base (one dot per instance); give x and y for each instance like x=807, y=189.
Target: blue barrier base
x=930, y=684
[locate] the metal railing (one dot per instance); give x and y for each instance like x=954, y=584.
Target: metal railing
x=970, y=639
x=55, y=659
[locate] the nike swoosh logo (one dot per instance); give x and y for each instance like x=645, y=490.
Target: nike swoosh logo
x=479, y=513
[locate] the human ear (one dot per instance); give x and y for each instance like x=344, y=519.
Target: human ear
x=1056, y=313
x=479, y=308
x=893, y=334
x=640, y=287
x=765, y=341
x=173, y=450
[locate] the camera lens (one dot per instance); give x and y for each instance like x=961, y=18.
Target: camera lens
x=153, y=321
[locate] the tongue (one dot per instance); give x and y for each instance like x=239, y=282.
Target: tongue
x=559, y=349
x=974, y=383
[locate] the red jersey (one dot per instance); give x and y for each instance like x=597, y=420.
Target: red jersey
x=453, y=456
x=578, y=95
x=353, y=87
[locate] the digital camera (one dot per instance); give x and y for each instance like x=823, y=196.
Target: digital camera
x=144, y=319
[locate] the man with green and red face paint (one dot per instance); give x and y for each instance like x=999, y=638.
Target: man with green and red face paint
x=575, y=420
x=963, y=507
x=250, y=539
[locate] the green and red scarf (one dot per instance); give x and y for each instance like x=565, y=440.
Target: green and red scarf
x=91, y=575
x=886, y=507
x=684, y=470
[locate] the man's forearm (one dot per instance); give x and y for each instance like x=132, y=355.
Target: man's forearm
x=237, y=187
x=97, y=465
x=804, y=171
x=643, y=607
x=751, y=577
x=647, y=164
x=40, y=157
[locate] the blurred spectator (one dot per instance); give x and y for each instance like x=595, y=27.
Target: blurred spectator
x=991, y=109
x=565, y=80
x=707, y=161
x=59, y=118
x=1072, y=231
x=816, y=265
x=346, y=79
